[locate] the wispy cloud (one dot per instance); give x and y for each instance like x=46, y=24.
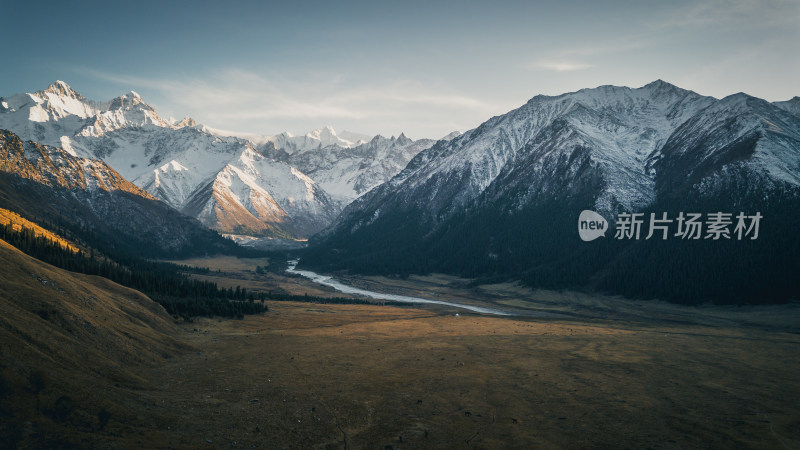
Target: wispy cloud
x=248, y=101
x=236, y=94
x=576, y=58
x=732, y=14
x=561, y=66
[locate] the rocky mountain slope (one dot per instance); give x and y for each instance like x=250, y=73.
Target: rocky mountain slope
x=503, y=198
x=89, y=197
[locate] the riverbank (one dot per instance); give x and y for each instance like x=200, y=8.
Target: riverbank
x=329, y=281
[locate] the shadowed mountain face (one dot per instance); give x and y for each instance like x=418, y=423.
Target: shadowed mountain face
x=89, y=198
x=502, y=200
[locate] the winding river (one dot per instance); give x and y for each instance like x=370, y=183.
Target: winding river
x=341, y=287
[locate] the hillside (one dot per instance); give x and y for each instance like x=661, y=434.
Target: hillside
x=81, y=336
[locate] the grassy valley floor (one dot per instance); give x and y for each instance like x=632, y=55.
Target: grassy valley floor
x=606, y=373
x=316, y=376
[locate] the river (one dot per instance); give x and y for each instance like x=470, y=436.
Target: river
x=341, y=287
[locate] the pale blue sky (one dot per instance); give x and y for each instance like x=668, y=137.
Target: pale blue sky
x=425, y=68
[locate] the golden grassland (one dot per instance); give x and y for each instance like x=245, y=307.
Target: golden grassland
x=367, y=377
x=605, y=374
x=83, y=335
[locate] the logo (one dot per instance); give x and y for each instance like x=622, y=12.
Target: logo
x=591, y=225
x=686, y=226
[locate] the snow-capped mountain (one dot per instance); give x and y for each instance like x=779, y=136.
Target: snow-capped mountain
x=315, y=140
x=45, y=116
x=55, y=167
x=793, y=105
x=624, y=137
x=93, y=200
x=615, y=131
x=179, y=163
x=345, y=164
x=188, y=167
x=55, y=114
x=503, y=199
x=282, y=185
x=348, y=172
x=258, y=195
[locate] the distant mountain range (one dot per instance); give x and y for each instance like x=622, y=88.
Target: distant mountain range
x=256, y=186
x=502, y=201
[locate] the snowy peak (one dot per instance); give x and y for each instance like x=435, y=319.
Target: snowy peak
x=661, y=85
x=313, y=140
x=61, y=89
x=792, y=106
x=186, y=122
x=127, y=101
x=259, y=196
x=619, y=126
x=450, y=136
x=56, y=102
x=57, y=114
x=348, y=172
x=326, y=135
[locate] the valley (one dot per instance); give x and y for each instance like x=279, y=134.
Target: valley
x=461, y=309
x=512, y=297
x=314, y=376
x=400, y=225
x=307, y=375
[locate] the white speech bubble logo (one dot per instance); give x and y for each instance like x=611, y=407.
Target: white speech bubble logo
x=591, y=225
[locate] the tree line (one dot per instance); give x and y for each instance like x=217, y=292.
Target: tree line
x=165, y=283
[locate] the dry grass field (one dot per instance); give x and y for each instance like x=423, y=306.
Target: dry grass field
x=608, y=373
x=317, y=376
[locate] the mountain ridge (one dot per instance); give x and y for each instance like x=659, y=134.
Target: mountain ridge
x=501, y=200
x=179, y=161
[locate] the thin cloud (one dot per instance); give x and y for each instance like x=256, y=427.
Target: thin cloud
x=561, y=66
x=240, y=99
x=733, y=14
